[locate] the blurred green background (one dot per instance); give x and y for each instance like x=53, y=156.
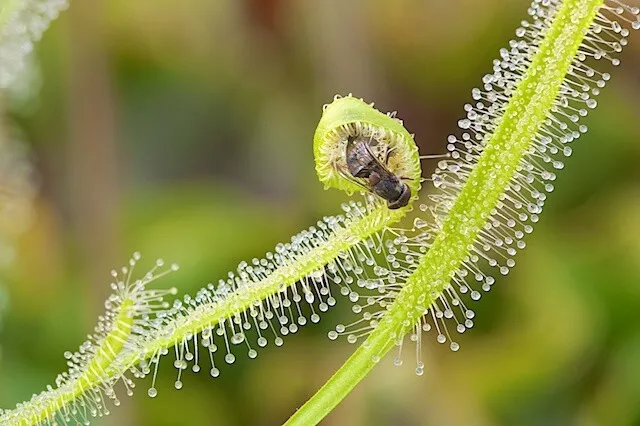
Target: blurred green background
x=184, y=130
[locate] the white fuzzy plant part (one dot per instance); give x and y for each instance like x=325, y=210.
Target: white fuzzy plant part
x=402, y=281
x=22, y=23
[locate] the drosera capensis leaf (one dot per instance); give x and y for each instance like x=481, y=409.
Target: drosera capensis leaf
x=273, y=296
x=493, y=188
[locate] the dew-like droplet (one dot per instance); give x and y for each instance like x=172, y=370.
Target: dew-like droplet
x=237, y=338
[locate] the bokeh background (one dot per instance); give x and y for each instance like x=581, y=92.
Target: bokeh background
x=184, y=130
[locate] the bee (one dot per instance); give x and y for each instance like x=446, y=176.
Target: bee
x=364, y=164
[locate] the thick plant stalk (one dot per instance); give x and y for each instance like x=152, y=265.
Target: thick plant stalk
x=528, y=107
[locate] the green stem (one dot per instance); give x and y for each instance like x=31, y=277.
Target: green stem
x=528, y=107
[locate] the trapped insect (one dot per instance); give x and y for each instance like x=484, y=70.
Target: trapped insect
x=364, y=164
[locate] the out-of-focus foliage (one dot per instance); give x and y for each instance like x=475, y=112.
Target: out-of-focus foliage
x=186, y=132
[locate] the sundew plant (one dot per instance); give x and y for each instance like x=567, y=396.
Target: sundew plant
x=404, y=279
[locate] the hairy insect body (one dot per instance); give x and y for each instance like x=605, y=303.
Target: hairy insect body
x=363, y=164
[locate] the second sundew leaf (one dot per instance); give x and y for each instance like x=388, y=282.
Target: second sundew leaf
x=490, y=192
x=294, y=284
x=273, y=296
